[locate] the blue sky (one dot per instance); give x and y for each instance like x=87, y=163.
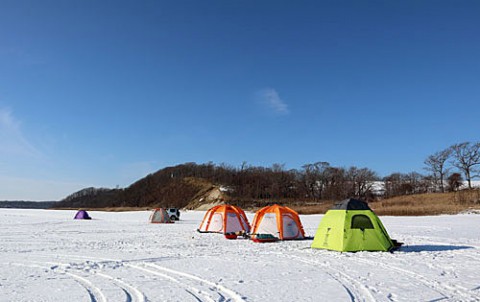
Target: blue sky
x=101, y=93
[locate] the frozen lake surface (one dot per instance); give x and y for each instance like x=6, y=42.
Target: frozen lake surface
x=45, y=255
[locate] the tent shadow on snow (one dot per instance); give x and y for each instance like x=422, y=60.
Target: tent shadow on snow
x=432, y=248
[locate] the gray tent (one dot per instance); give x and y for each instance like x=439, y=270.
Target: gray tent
x=351, y=204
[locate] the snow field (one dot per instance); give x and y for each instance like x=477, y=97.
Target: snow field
x=47, y=256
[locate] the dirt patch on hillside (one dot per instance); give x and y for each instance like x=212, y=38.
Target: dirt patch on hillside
x=205, y=199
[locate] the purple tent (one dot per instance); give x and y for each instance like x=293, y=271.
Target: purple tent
x=82, y=214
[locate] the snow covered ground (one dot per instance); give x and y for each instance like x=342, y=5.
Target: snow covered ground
x=47, y=256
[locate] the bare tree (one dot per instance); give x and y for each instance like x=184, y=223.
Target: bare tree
x=415, y=180
x=436, y=164
x=314, y=179
x=454, y=182
x=276, y=167
x=335, y=183
x=466, y=157
x=360, y=181
x=397, y=184
x=392, y=184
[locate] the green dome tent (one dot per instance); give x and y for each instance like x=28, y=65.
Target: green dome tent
x=352, y=226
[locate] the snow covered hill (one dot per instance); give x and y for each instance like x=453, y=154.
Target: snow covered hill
x=47, y=256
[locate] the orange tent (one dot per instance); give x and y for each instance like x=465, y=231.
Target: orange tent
x=281, y=222
x=224, y=219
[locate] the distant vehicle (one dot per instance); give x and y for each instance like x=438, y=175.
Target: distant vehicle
x=174, y=213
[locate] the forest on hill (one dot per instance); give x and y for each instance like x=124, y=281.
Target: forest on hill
x=245, y=185
x=178, y=185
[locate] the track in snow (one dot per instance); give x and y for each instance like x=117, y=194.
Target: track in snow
x=85, y=275
x=94, y=293
x=355, y=289
x=199, y=288
x=448, y=291
x=184, y=279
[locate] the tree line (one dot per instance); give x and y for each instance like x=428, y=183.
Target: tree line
x=446, y=169
x=313, y=182
x=464, y=157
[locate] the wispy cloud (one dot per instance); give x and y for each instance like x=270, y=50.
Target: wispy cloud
x=13, y=142
x=272, y=100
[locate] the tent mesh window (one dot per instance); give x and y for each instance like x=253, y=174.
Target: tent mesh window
x=361, y=222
